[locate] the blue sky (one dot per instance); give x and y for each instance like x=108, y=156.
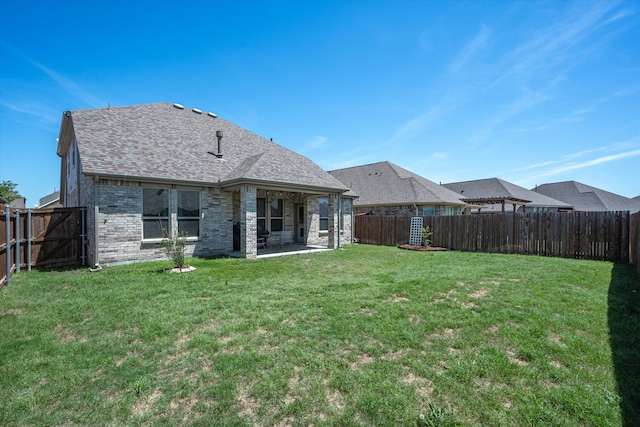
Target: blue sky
x=531, y=92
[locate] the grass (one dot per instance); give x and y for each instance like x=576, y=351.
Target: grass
x=363, y=336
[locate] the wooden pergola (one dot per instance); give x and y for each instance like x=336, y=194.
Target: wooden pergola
x=515, y=202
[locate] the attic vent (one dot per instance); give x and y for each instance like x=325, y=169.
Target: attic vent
x=214, y=115
x=179, y=106
x=195, y=110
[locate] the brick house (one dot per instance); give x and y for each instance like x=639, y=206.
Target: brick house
x=141, y=170
x=494, y=195
x=385, y=188
x=586, y=198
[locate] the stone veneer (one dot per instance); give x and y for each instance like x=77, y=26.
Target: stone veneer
x=119, y=220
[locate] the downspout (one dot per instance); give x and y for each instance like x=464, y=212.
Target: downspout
x=75, y=147
x=339, y=218
x=96, y=234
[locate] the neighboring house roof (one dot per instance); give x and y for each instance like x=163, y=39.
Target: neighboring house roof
x=19, y=203
x=387, y=184
x=169, y=142
x=495, y=190
x=587, y=198
x=49, y=200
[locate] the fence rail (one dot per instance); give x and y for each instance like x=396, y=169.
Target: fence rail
x=589, y=235
x=40, y=238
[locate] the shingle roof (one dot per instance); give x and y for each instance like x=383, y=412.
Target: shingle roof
x=496, y=188
x=587, y=198
x=385, y=183
x=49, y=199
x=161, y=141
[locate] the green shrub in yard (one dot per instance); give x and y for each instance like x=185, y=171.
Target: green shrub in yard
x=175, y=243
x=426, y=235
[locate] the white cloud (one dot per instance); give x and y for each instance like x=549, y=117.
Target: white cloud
x=471, y=49
x=316, y=143
x=43, y=114
x=588, y=163
x=71, y=87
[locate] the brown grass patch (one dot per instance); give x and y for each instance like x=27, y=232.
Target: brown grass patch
x=246, y=403
x=147, y=404
x=515, y=359
x=394, y=355
x=335, y=399
x=67, y=335
x=362, y=359
x=292, y=383
x=423, y=386
x=480, y=293
x=555, y=338
x=14, y=311
x=493, y=329
x=396, y=298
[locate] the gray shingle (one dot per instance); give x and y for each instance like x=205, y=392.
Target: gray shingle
x=385, y=183
x=496, y=188
x=160, y=141
x=587, y=198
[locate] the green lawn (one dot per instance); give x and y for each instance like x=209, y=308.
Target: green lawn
x=362, y=336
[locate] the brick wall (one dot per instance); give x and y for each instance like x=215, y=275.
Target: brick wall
x=119, y=220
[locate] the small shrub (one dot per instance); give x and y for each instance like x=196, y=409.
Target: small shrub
x=175, y=244
x=426, y=235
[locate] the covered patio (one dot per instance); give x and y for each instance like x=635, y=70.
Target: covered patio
x=274, y=220
x=288, y=250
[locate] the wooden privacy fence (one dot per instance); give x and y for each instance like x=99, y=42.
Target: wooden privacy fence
x=589, y=235
x=40, y=238
x=634, y=241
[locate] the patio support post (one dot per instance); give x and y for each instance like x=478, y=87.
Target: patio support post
x=248, y=222
x=334, y=223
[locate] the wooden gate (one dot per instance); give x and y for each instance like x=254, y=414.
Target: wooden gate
x=40, y=238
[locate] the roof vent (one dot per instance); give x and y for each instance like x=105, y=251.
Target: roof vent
x=179, y=106
x=214, y=115
x=195, y=110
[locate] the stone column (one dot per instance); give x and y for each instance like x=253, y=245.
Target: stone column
x=334, y=222
x=248, y=222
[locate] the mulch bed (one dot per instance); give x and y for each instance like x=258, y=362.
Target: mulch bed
x=421, y=248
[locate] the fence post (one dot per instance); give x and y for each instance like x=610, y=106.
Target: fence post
x=7, y=214
x=28, y=239
x=18, y=257
x=83, y=234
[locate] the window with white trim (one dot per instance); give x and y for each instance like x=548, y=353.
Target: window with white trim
x=261, y=213
x=428, y=211
x=155, y=212
x=189, y=213
x=277, y=215
x=324, y=213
